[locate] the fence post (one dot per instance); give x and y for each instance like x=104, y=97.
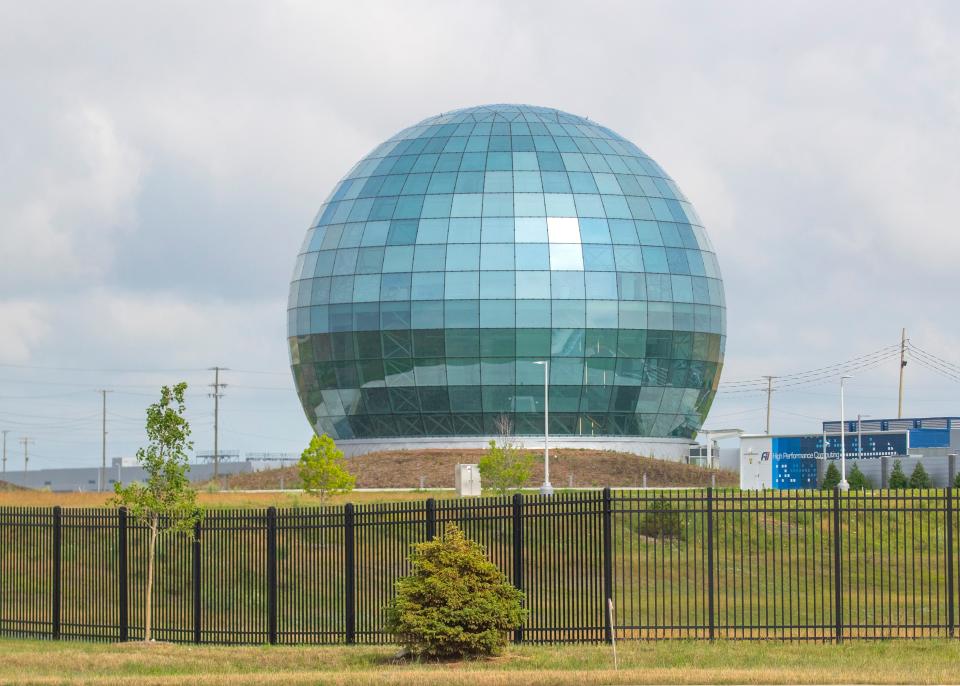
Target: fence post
x=431, y=519
x=607, y=562
x=272, y=575
x=122, y=573
x=710, y=581
x=518, y=553
x=57, y=557
x=196, y=582
x=951, y=625
x=837, y=596
x=350, y=574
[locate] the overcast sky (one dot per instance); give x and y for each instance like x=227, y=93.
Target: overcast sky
x=159, y=163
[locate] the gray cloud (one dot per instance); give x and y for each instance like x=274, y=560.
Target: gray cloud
x=161, y=162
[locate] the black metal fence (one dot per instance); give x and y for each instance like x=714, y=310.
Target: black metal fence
x=676, y=564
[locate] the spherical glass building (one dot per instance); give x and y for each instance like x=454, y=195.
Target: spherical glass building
x=462, y=253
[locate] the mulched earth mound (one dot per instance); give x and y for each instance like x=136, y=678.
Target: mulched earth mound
x=579, y=468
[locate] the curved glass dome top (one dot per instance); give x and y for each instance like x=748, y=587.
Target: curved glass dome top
x=470, y=247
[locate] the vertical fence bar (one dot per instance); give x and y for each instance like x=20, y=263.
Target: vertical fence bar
x=431, y=519
x=122, y=595
x=272, y=574
x=837, y=595
x=518, y=553
x=607, y=562
x=951, y=625
x=195, y=561
x=711, y=618
x=350, y=575
x=57, y=558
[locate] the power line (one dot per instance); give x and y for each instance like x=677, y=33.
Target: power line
x=819, y=371
x=939, y=360
x=932, y=367
x=115, y=370
x=813, y=381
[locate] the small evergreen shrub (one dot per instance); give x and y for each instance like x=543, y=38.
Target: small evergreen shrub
x=660, y=520
x=455, y=603
x=956, y=480
x=858, y=480
x=897, y=480
x=919, y=478
x=831, y=478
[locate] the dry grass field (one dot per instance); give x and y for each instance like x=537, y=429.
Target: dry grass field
x=579, y=468
x=403, y=470
x=217, y=499
x=674, y=662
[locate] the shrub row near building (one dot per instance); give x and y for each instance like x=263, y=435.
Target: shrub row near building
x=898, y=479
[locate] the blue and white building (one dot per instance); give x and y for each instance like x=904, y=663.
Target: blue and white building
x=795, y=461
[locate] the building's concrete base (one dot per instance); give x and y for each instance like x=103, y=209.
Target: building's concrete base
x=674, y=449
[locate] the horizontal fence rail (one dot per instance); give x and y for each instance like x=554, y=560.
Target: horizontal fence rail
x=693, y=564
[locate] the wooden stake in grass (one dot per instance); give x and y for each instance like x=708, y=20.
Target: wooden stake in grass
x=166, y=503
x=613, y=634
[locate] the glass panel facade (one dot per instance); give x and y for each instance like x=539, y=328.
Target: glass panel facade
x=469, y=247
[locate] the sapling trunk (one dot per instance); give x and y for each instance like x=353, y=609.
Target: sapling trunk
x=151, y=553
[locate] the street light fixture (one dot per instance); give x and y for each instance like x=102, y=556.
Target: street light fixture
x=844, y=484
x=546, y=488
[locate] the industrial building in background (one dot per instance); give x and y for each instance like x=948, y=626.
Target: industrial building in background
x=796, y=461
x=471, y=250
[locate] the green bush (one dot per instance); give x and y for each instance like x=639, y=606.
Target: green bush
x=455, y=602
x=831, y=478
x=660, y=520
x=322, y=469
x=505, y=468
x=858, y=480
x=919, y=478
x=897, y=478
x=956, y=480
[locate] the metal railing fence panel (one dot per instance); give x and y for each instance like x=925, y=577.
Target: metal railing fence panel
x=89, y=555
x=660, y=564
x=233, y=572
x=695, y=564
x=310, y=575
x=383, y=536
x=26, y=571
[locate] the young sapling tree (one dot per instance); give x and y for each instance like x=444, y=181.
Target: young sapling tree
x=166, y=503
x=322, y=469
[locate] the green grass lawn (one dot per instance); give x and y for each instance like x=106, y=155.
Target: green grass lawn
x=666, y=662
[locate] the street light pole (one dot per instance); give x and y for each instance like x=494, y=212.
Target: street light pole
x=844, y=484
x=546, y=488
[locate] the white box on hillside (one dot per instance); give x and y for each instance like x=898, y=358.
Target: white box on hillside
x=467, y=480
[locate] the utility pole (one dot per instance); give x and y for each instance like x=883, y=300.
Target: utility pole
x=903, y=363
x=5, y=432
x=769, y=393
x=216, y=385
x=26, y=441
x=103, y=444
